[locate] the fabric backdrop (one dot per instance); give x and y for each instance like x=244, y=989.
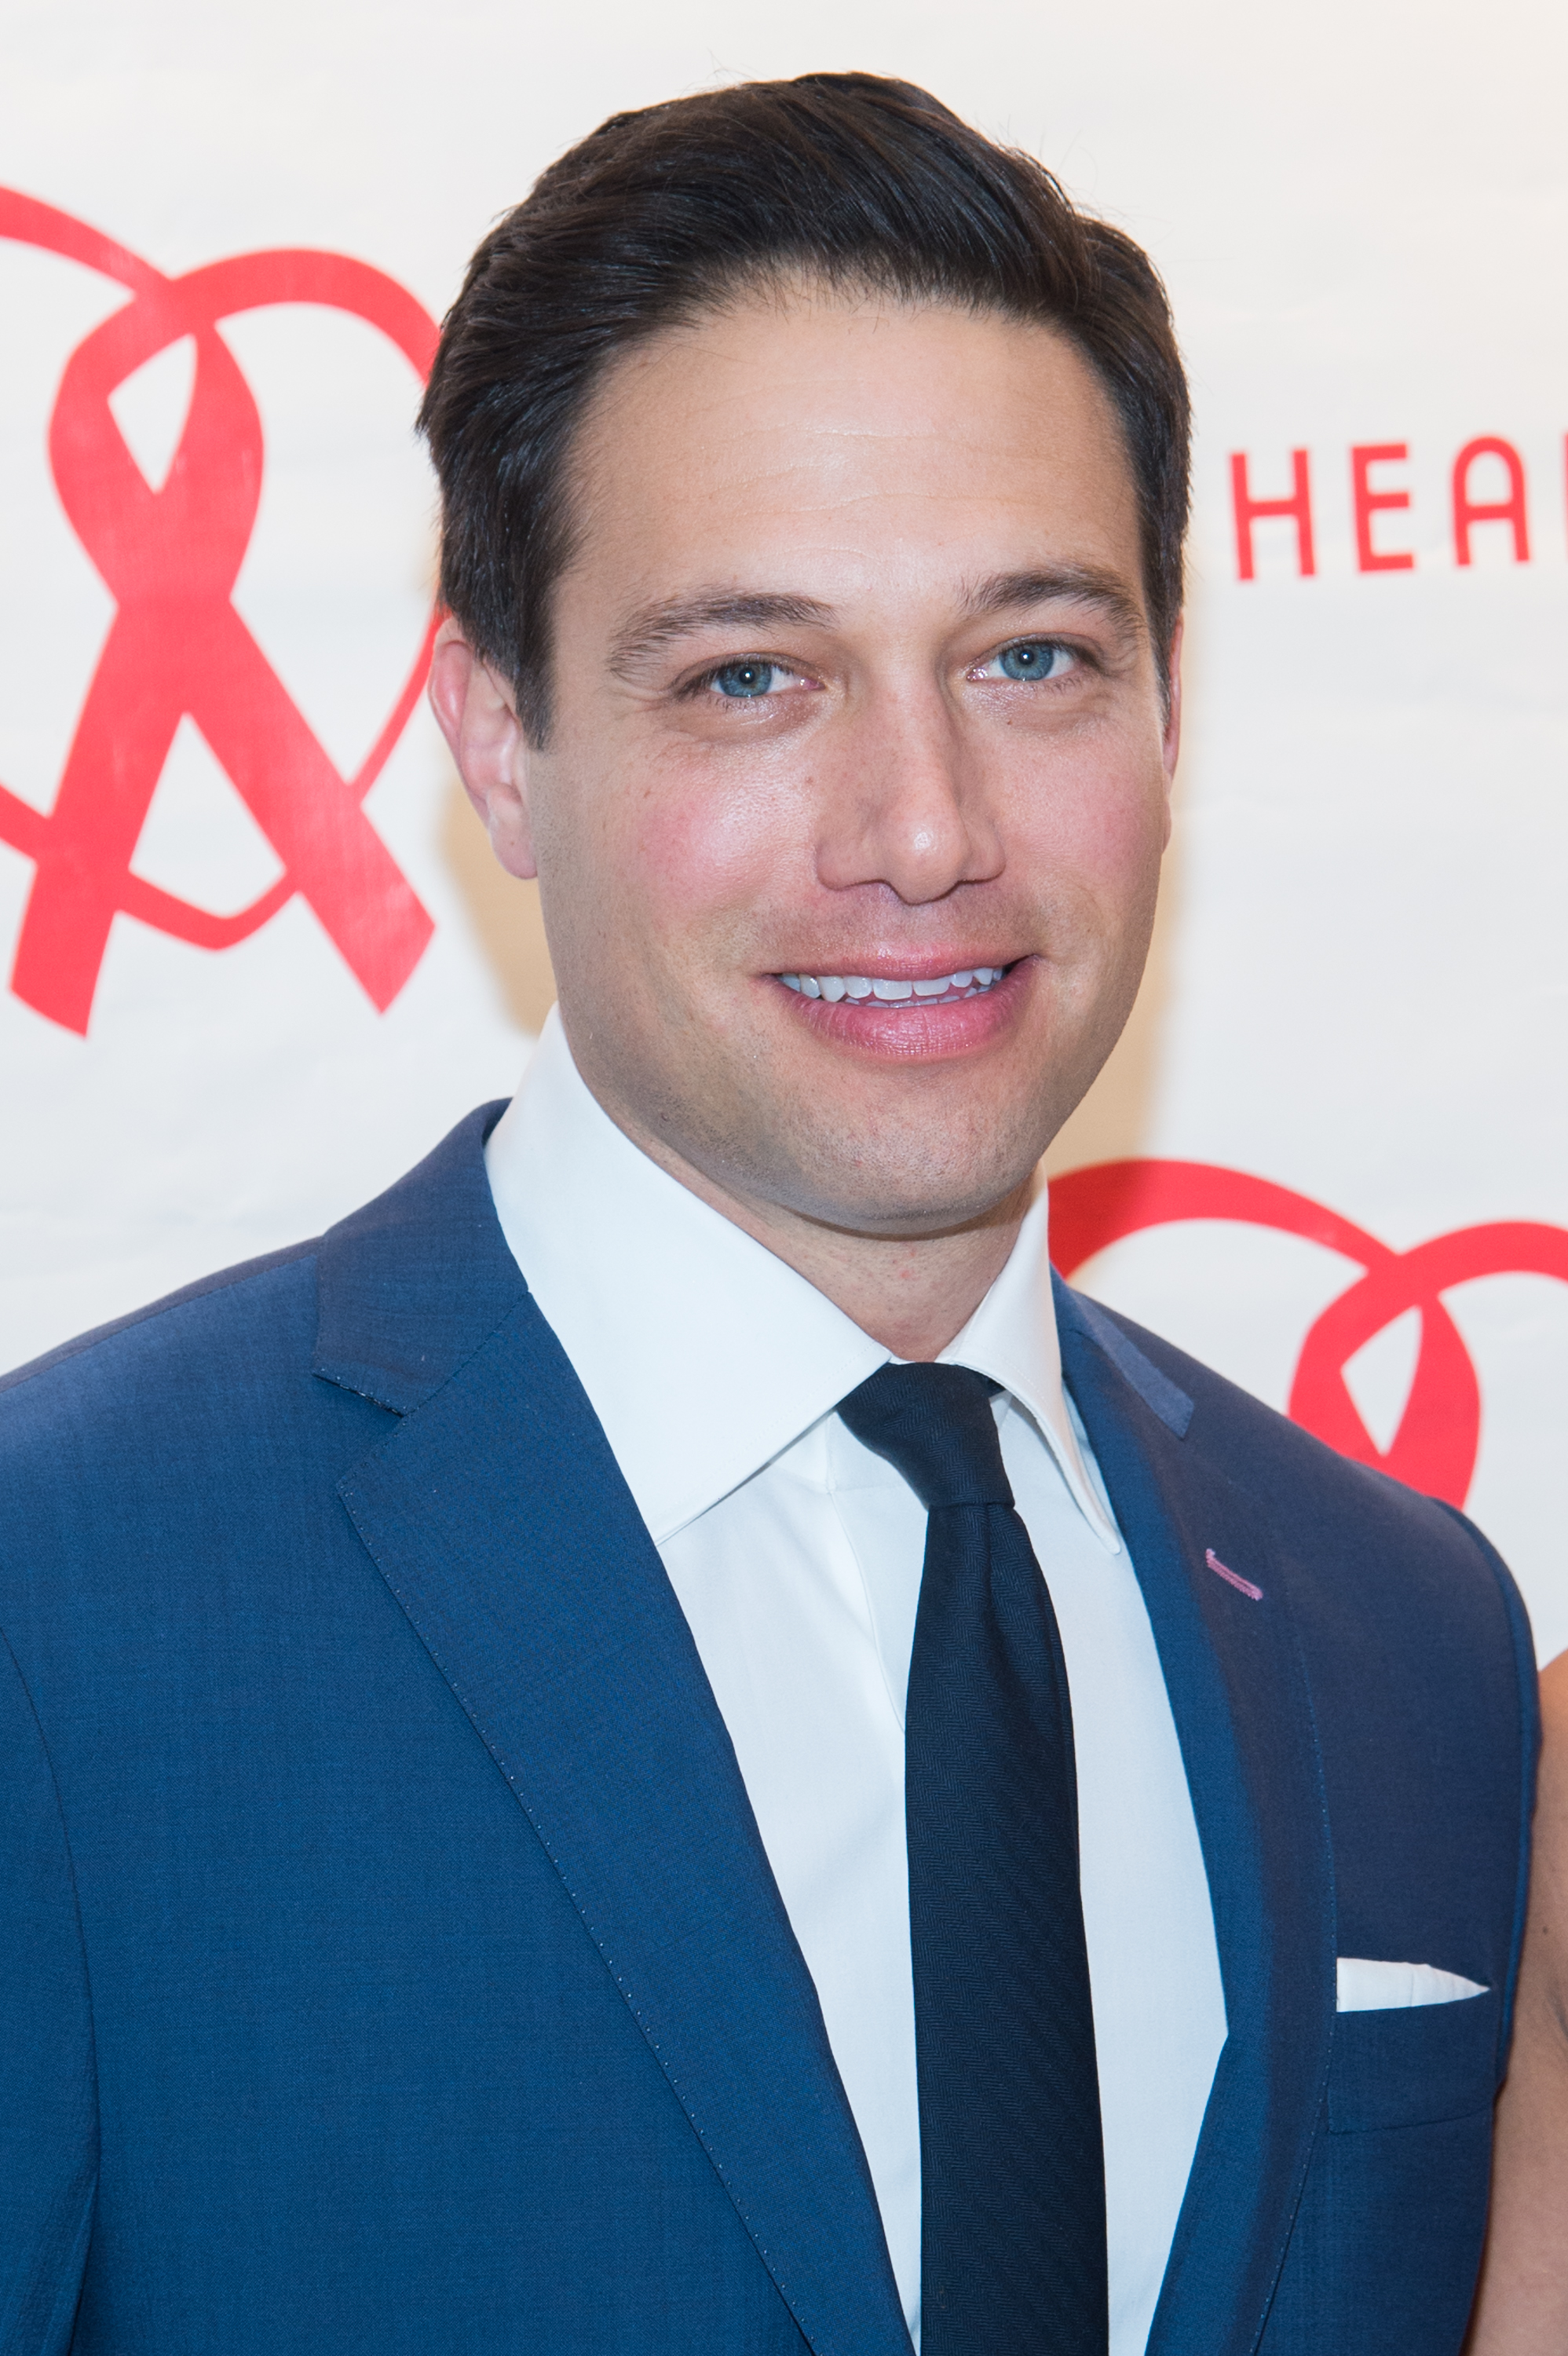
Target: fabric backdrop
x=258, y=956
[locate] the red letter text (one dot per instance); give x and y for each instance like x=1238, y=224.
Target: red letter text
x=1363, y=459
x=1248, y=511
x=1468, y=511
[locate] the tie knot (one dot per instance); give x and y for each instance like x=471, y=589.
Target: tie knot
x=935, y=1425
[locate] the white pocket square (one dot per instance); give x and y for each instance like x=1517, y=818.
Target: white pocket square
x=1366, y=1986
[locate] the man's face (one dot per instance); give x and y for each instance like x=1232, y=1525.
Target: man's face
x=849, y=822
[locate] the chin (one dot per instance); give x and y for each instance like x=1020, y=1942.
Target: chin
x=934, y=1178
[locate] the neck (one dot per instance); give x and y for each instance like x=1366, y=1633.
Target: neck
x=911, y=1293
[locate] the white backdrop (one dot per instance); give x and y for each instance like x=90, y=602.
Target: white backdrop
x=1357, y=1004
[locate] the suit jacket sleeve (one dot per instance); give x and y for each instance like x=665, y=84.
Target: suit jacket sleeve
x=48, y=2111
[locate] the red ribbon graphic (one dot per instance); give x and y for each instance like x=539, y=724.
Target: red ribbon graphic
x=177, y=646
x=1436, y=1446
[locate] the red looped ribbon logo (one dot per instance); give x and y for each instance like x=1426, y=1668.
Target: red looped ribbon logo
x=1435, y=1445
x=177, y=646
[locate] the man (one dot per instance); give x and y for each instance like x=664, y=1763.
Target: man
x=552, y=1806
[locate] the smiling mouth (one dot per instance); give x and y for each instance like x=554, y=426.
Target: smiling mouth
x=942, y=990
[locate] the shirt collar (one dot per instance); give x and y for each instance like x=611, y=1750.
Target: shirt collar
x=703, y=1354
x=1012, y=1337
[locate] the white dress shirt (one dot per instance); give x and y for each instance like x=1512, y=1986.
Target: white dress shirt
x=796, y=1556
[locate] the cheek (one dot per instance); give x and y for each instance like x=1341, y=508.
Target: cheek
x=1093, y=834
x=698, y=852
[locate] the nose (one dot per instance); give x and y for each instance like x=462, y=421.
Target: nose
x=905, y=806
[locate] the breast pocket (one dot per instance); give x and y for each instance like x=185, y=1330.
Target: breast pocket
x=1413, y=2065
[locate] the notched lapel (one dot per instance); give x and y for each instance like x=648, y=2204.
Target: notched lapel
x=1243, y=1717
x=499, y=1518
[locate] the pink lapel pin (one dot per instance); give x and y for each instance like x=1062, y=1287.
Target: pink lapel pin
x=1245, y=1585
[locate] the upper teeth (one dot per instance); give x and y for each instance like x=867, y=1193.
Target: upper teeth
x=834, y=986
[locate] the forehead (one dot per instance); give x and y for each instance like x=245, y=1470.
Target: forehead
x=849, y=440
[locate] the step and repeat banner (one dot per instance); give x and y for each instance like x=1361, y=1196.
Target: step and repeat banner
x=256, y=957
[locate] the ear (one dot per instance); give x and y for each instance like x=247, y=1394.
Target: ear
x=1172, y=745
x=477, y=711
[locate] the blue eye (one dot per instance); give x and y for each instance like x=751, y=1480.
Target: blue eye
x=745, y=678
x=1032, y=658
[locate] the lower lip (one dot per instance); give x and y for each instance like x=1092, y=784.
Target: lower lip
x=915, y=1030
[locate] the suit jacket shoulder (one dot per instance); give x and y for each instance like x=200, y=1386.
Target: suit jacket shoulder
x=1379, y=1575
x=220, y=1376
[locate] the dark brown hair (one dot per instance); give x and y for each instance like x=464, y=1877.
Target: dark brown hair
x=659, y=216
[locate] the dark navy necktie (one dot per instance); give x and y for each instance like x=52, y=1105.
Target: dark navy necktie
x=1012, y=2167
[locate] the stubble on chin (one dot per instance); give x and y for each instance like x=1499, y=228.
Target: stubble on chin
x=908, y=1157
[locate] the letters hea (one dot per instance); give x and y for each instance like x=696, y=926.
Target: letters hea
x=1369, y=499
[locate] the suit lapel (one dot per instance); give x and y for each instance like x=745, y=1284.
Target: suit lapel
x=1243, y=1719
x=499, y=1519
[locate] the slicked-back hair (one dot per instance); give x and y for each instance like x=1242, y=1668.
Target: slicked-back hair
x=846, y=180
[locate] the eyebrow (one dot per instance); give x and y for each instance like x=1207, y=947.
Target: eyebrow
x=653, y=628
x=1082, y=584
x=681, y=617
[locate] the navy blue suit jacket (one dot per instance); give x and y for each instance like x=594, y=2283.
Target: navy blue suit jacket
x=390, y=1959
